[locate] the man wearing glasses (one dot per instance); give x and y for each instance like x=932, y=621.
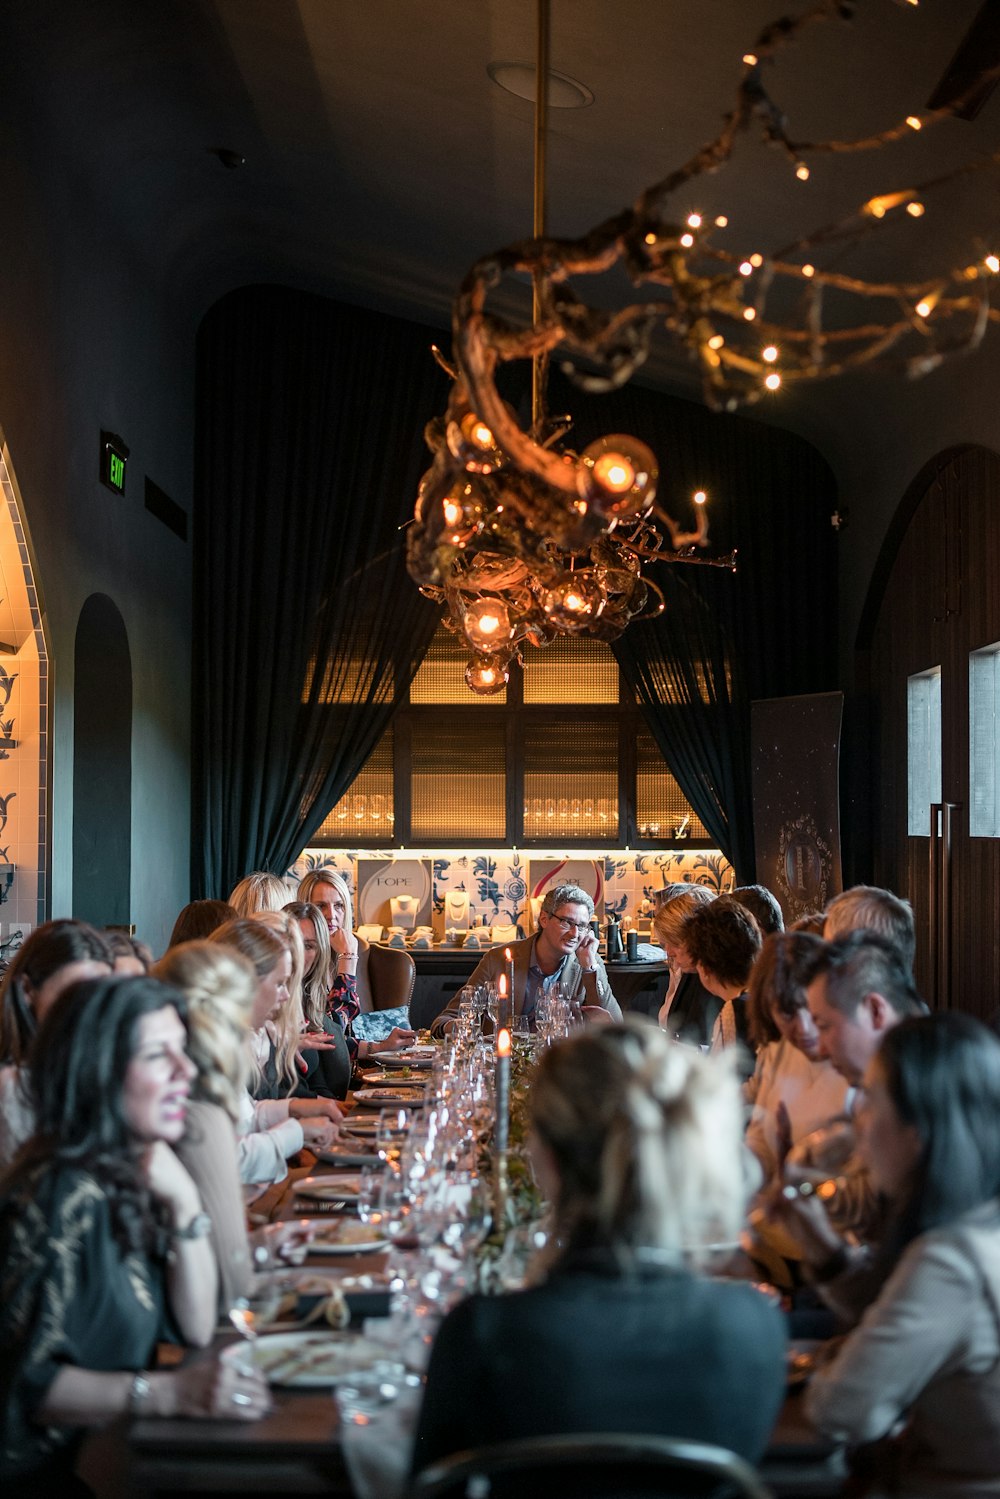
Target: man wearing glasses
x=561, y=958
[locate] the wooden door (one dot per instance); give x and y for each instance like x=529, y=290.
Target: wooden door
x=940, y=603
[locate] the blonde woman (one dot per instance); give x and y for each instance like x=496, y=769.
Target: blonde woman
x=333, y=1070
x=219, y=985
x=286, y=1123
x=636, y=1144
x=689, y=1011
x=259, y=891
x=349, y=993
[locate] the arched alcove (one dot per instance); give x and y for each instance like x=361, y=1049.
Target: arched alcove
x=24, y=725
x=102, y=766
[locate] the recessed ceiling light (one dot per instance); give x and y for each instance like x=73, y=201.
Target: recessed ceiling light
x=519, y=78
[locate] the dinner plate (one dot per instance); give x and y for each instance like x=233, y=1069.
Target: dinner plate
x=387, y=1080
x=306, y=1360
x=350, y=1158
x=342, y=1236
x=382, y=1097
x=329, y=1188
x=360, y=1126
x=421, y=1060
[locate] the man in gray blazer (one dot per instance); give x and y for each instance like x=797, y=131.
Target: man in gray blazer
x=562, y=952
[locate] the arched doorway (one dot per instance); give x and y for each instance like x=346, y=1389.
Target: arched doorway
x=102, y=766
x=932, y=623
x=24, y=726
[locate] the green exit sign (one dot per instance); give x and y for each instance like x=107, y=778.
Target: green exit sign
x=114, y=454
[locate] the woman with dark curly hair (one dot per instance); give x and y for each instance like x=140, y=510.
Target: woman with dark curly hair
x=104, y=1244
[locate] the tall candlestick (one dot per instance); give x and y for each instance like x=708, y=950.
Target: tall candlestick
x=501, y=1134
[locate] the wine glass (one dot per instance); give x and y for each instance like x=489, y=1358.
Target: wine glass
x=393, y=1126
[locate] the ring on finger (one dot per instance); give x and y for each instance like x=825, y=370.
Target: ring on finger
x=238, y=1398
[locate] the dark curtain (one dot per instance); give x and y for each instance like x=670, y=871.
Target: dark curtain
x=307, y=628
x=767, y=631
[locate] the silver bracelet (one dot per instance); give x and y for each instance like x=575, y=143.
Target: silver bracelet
x=138, y=1393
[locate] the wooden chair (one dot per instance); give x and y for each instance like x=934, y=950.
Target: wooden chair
x=604, y=1464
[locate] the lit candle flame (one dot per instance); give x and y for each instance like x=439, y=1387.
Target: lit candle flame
x=503, y=1043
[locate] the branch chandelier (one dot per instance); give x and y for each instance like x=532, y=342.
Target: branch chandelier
x=525, y=540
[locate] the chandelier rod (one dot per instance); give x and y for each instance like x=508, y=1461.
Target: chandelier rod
x=539, y=363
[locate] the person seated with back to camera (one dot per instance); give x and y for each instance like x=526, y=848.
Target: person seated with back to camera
x=724, y=941
x=562, y=954
x=635, y=1142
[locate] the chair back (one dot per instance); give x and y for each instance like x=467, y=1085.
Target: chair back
x=606, y=1464
x=391, y=975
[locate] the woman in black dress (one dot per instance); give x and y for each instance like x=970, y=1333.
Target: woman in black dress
x=104, y=1244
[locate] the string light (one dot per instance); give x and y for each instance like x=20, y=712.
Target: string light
x=524, y=539
x=699, y=497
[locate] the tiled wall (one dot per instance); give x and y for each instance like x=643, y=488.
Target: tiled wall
x=500, y=882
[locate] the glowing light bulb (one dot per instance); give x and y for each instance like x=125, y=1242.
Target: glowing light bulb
x=914, y=122
x=486, y=622
x=773, y=380
x=650, y=238
x=452, y=512
x=694, y=220
x=716, y=341
x=750, y=58
x=574, y=601
x=746, y=269
x=687, y=240
x=756, y=260
x=749, y=313
x=802, y=172
x=992, y=263
x=614, y=472
x=808, y=270
x=915, y=210
x=770, y=354
x=486, y=675
x=721, y=221
x=699, y=497
x=925, y=308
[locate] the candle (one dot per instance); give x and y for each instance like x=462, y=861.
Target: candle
x=502, y=1091
x=503, y=1001
x=509, y=969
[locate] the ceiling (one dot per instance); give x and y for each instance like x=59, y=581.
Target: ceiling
x=381, y=160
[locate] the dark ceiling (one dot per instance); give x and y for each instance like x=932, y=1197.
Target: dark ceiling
x=381, y=160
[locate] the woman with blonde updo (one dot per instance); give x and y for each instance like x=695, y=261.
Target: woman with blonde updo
x=636, y=1143
x=688, y=1011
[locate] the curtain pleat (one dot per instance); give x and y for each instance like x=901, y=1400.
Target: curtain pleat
x=307, y=627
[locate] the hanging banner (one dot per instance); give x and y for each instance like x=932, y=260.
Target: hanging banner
x=795, y=758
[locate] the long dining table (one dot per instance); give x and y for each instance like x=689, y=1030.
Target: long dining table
x=296, y=1449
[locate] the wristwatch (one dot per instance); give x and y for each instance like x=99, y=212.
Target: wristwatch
x=199, y=1228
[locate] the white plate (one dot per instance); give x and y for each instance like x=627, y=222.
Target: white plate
x=329, y=1188
x=420, y=1061
x=306, y=1360
x=360, y=1126
x=343, y=1236
x=380, y=1098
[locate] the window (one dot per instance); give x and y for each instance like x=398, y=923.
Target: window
x=923, y=750
x=984, y=750
x=562, y=756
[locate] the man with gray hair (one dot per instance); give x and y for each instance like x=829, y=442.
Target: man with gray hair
x=563, y=952
x=871, y=909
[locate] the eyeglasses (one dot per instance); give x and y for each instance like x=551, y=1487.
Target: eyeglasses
x=570, y=924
